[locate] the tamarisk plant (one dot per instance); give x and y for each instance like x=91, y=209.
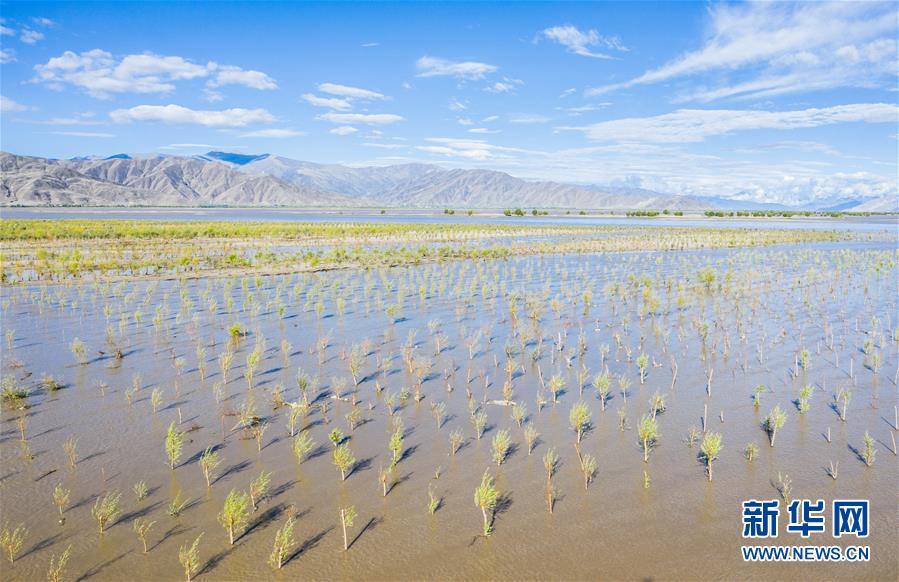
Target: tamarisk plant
x=58, y=565
x=805, y=394
x=844, y=396
x=174, y=442
x=284, y=542
x=209, y=460
x=479, y=421
x=61, y=498
x=648, y=431
x=456, y=440
x=347, y=517
x=189, y=557
x=70, y=448
x=343, y=459
x=302, y=445
x=775, y=421
x=501, y=444
x=12, y=540
x=751, y=451
x=710, y=447
x=106, y=508
x=259, y=487
x=579, y=418
x=869, y=451
x=140, y=491
x=235, y=513
x=602, y=383
x=588, y=468
x=530, y=436
x=485, y=499
x=142, y=528
x=642, y=363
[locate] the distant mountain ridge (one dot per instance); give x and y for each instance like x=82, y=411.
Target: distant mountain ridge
x=233, y=179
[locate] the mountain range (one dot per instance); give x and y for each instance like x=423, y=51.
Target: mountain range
x=232, y=179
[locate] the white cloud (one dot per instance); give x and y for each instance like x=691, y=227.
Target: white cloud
x=344, y=130
x=384, y=146
x=7, y=56
x=6, y=31
x=329, y=102
x=45, y=22
x=579, y=42
x=83, y=134
x=490, y=118
x=7, y=105
x=467, y=70
x=363, y=118
x=29, y=36
x=694, y=125
x=351, y=92
x=456, y=105
x=772, y=48
x=273, y=133
x=229, y=75
x=471, y=149
x=370, y=44
x=482, y=130
x=183, y=115
x=465, y=121
x=504, y=86
x=101, y=74
x=529, y=118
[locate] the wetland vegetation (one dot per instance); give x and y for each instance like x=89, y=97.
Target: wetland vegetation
x=213, y=400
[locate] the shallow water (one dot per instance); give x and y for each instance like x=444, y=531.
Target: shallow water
x=851, y=223
x=681, y=527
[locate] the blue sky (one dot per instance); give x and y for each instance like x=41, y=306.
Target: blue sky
x=763, y=101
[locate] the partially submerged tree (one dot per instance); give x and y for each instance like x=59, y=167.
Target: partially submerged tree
x=775, y=421
x=343, y=459
x=284, y=542
x=648, y=431
x=579, y=419
x=106, y=508
x=174, y=442
x=235, y=513
x=710, y=447
x=189, y=557
x=485, y=499
x=209, y=460
x=347, y=517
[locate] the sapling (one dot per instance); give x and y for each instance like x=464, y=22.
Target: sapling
x=501, y=444
x=642, y=363
x=396, y=445
x=58, y=565
x=70, y=447
x=259, y=488
x=209, y=460
x=845, y=396
x=353, y=417
x=805, y=394
x=602, y=383
x=648, y=431
x=79, y=350
x=12, y=540
x=485, y=499
x=302, y=444
x=156, y=399
x=189, y=557
x=439, y=412
x=869, y=451
x=479, y=421
x=106, y=508
x=384, y=479
x=177, y=505
x=343, y=459
x=61, y=498
x=455, y=439
x=284, y=542
x=588, y=468
x=336, y=437
x=235, y=513
x=433, y=501
x=347, y=516
x=174, y=442
x=530, y=436
x=142, y=528
x=140, y=491
x=556, y=384
x=710, y=447
x=550, y=463
x=656, y=404
x=751, y=451
x=785, y=487
x=757, y=395
x=775, y=420
x=579, y=418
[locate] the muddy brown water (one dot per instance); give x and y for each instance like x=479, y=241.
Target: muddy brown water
x=681, y=527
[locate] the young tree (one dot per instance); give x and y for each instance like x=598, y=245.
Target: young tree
x=775, y=421
x=189, y=556
x=648, y=431
x=868, y=453
x=710, y=447
x=602, y=383
x=642, y=363
x=485, y=498
x=235, y=513
x=284, y=542
x=209, y=460
x=106, y=508
x=174, y=442
x=302, y=444
x=12, y=540
x=456, y=439
x=501, y=444
x=579, y=419
x=61, y=498
x=58, y=565
x=530, y=436
x=347, y=516
x=259, y=487
x=343, y=459
x=142, y=528
x=396, y=446
x=588, y=468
